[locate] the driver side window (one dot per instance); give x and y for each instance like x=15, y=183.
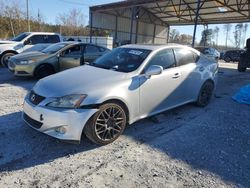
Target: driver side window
x=164, y=58
x=73, y=51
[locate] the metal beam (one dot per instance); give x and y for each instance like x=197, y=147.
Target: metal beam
x=91, y=26
x=131, y=25
x=196, y=22
x=228, y=6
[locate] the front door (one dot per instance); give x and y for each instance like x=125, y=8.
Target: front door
x=70, y=57
x=160, y=92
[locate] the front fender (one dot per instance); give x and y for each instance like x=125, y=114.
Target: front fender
x=122, y=93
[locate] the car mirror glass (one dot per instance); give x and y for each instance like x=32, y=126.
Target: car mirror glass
x=153, y=70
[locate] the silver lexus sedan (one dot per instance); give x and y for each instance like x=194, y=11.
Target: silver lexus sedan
x=127, y=84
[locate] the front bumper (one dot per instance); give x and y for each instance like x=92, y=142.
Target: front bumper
x=47, y=120
x=21, y=70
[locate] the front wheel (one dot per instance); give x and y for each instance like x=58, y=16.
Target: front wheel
x=106, y=125
x=43, y=71
x=5, y=58
x=205, y=94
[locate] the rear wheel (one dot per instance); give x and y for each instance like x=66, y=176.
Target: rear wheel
x=241, y=68
x=106, y=125
x=5, y=58
x=205, y=94
x=43, y=71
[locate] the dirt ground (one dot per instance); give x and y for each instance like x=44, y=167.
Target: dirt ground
x=185, y=147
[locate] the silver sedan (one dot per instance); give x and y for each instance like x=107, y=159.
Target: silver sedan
x=125, y=85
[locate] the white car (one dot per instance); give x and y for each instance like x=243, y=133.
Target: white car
x=25, y=41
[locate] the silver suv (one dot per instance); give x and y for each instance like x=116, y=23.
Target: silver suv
x=23, y=42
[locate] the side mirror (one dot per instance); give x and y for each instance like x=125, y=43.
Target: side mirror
x=153, y=70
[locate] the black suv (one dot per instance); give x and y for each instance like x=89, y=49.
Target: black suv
x=244, y=62
x=232, y=55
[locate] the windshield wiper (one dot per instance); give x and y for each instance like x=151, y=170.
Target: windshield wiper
x=98, y=65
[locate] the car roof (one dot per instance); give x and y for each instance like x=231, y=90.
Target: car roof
x=43, y=33
x=153, y=46
x=80, y=43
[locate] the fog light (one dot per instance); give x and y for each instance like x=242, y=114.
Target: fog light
x=61, y=130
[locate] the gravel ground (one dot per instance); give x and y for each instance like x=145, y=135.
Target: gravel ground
x=184, y=147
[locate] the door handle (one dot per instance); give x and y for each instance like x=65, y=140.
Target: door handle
x=176, y=75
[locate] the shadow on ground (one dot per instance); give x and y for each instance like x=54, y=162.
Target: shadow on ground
x=214, y=139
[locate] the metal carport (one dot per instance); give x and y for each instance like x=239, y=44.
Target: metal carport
x=148, y=21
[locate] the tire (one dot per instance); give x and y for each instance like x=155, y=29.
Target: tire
x=43, y=71
x=227, y=59
x=205, y=94
x=5, y=57
x=106, y=125
x=241, y=68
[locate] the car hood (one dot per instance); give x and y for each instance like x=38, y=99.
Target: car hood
x=79, y=80
x=7, y=42
x=30, y=55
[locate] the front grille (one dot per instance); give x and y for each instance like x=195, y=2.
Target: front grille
x=32, y=122
x=22, y=72
x=35, y=98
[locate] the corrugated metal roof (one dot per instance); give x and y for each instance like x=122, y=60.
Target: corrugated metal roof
x=182, y=12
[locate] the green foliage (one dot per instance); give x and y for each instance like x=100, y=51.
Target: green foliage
x=176, y=37
x=206, y=37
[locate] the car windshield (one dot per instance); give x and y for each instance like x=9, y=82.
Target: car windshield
x=54, y=48
x=20, y=37
x=122, y=59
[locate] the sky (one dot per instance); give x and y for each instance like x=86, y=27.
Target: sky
x=50, y=9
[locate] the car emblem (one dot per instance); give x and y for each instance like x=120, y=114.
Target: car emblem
x=33, y=97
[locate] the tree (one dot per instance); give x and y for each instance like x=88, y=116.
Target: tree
x=174, y=36
x=227, y=29
x=206, y=37
x=185, y=39
x=238, y=29
x=245, y=27
x=71, y=22
x=14, y=13
x=216, y=33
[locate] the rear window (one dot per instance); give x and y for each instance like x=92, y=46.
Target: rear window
x=185, y=56
x=53, y=39
x=91, y=49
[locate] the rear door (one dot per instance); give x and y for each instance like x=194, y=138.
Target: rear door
x=191, y=73
x=70, y=57
x=53, y=39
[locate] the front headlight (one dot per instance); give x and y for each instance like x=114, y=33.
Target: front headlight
x=25, y=62
x=69, y=101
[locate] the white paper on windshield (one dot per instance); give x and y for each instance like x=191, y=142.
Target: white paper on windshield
x=135, y=52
